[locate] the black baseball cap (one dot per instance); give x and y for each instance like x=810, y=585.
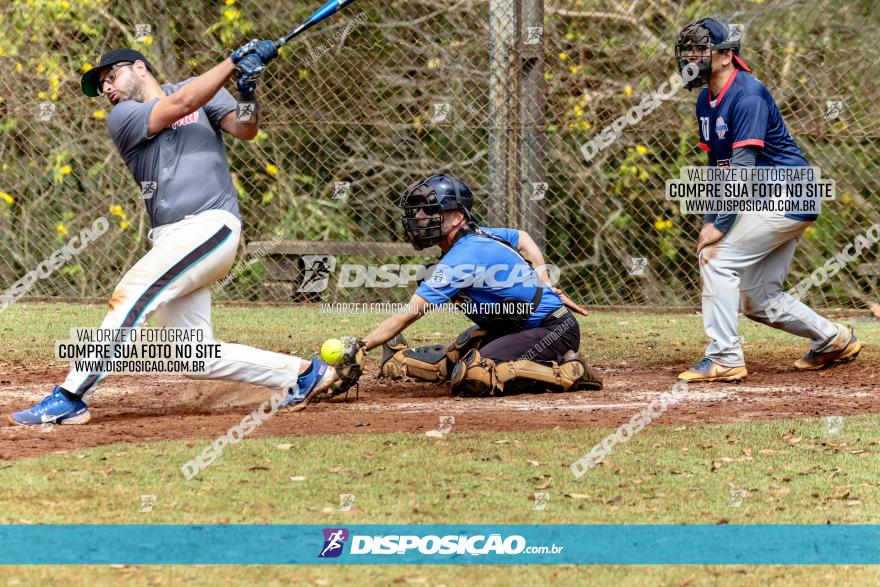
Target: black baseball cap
x=723, y=37
x=89, y=80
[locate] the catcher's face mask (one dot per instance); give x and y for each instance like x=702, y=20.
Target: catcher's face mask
x=696, y=42
x=422, y=215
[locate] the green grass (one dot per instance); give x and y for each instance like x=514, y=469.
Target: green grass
x=793, y=473
x=791, y=470
x=608, y=338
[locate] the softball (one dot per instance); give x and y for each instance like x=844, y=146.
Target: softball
x=332, y=351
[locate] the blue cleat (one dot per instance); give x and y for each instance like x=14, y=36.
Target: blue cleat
x=54, y=409
x=317, y=380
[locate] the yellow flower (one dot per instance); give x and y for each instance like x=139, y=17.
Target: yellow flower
x=65, y=5
x=846, y=199
x=18, y=67
x=124, y=224
x=86, y=67
x=661, y=224
x=41, y=68
x=41, y=95
x=271, y=169
x=6, y=198
x=116, y=210
x=303, y=73
x=66, y=170
x=434, y=63
x=578, y=111
x=641, y=149
x=149, y=40
x=230, y=2
x=230, y=13
x=99, y=115
x=563, y=56
x=810, y=231
x=62, y=230
x=628, y=91
x=576, y=69
x=667, y=224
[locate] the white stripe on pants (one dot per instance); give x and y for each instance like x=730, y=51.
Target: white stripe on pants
x=173, y=280
x=748, y=266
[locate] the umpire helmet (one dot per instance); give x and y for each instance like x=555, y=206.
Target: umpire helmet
x=701, y=37
x=433, y=196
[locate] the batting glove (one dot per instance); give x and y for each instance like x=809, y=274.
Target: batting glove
x=250, y=67
x=266, y=50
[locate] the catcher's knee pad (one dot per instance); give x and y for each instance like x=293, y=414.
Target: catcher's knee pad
x=472, y=338
x=474, y=375
x=427, y=363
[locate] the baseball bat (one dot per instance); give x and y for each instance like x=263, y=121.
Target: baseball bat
x=330, y=7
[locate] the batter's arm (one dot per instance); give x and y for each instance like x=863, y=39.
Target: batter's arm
x=396, y=323
x=244, y=131
x=190, y=97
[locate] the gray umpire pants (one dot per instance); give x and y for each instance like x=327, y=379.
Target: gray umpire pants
x=747, y=268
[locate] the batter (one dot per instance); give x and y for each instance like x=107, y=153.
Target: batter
x=169, y=137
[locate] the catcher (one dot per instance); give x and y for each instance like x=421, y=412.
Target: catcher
x=525, y=338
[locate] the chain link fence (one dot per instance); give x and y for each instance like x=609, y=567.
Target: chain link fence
x=503, y=94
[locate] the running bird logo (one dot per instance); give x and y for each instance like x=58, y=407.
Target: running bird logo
x=720, y=127
x=334, y=540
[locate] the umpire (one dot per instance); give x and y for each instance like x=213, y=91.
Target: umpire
x=525, y=338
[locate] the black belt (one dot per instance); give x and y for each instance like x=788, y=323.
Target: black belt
x=560, y=312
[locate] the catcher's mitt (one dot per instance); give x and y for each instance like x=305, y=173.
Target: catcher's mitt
x=349, y=369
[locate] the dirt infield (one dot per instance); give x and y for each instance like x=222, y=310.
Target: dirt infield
x=129, y=409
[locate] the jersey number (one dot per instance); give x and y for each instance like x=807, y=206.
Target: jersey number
x=704, y=127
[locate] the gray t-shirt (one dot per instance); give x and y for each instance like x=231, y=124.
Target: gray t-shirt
x=182, y=170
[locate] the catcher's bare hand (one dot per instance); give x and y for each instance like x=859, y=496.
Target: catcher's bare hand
x=571, y=305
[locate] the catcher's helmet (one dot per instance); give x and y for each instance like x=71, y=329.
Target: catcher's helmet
x=433, y=196
x=700, y=38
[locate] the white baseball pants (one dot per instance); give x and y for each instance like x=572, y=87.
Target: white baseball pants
x=747, y=268
x=173, y=280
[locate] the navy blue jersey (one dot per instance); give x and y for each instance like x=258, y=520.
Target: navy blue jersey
x=481, y=271
x=743, y=115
